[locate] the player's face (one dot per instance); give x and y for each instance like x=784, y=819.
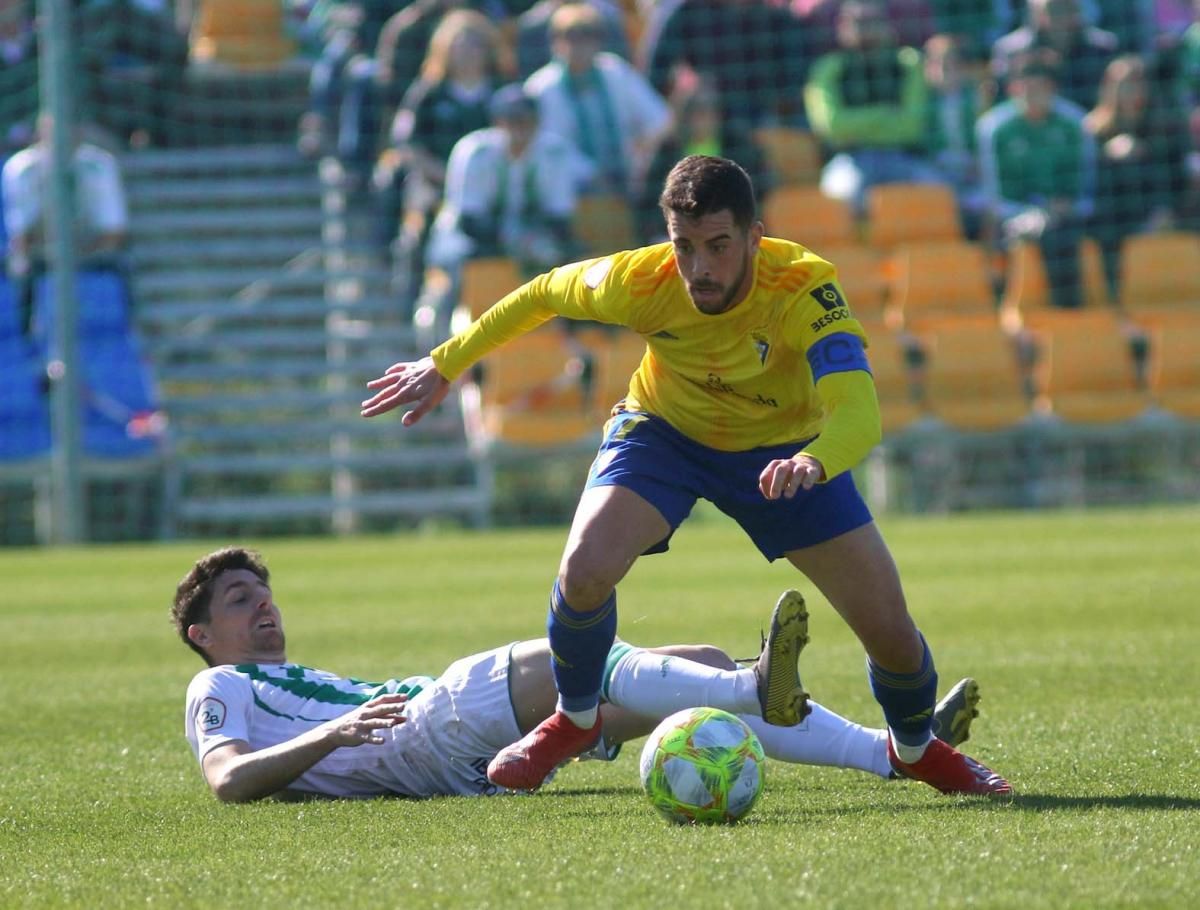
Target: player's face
x=715, y=258
x=244, y=624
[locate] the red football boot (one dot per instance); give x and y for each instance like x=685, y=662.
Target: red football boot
x=527, y=763
x=946, y=769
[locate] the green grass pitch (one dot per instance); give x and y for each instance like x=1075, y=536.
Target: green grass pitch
x=1082, y=628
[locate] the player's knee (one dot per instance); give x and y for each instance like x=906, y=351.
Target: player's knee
x=584, y=586
x=710, y=656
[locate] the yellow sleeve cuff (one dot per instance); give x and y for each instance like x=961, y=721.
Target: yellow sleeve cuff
x=852, y=423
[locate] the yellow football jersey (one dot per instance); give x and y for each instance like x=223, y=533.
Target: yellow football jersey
x=732, y=381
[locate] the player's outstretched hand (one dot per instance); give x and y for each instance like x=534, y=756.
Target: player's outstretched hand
x=362, y=725
x=416, y=383
x=784, y=476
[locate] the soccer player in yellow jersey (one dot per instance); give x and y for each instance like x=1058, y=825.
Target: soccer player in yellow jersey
x=755, y=393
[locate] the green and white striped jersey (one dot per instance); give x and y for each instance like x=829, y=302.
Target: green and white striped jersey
x=267, y=704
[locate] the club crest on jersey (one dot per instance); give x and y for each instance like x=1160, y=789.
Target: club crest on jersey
x=828, y=296
x=210, y=715
x=763, y=347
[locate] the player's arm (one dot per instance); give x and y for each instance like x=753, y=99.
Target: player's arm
x=566, y=291
x=238, y=774
x=852, y=429
x=835, y=347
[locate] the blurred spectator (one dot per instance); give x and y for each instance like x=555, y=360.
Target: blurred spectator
x=131, y=61
x=533, y=33
x=405, y=38
x=1083, y=51
x=701, y=129
x=329, y=126
x=913, y=22
x=1188, y=56
x=868, y=102
x=509, y=192
x=101, y=212
x=1171, y=18
x=1140, y=167
x=357, y=84
x=973, y=22
x=1188, y=79
x=754, y=52
x=449, y=99
x=599, y=103
x=1035, y=161
x=957, y=97
x=18, y=75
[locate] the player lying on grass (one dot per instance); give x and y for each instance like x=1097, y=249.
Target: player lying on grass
x=260, y=725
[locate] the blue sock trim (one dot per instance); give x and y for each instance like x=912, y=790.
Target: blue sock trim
x=580, y=644
x=907, y=699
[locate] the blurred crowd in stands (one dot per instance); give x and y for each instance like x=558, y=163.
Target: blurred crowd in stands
x=473, y=128
x=1051, y=119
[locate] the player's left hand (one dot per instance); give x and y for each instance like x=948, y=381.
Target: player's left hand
x=785, y=476
x=418, y=382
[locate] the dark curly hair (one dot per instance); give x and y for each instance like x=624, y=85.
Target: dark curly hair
x=194, y=593
x=700, y=185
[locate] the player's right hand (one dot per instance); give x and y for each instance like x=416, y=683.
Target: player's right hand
x=406, y=383
x=361, y=725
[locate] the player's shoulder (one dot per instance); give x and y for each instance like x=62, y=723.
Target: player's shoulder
x=22, y=161
x=627, y=275
x=220, y=676
x=646, y=269
x=489, y=140
x=784, y=265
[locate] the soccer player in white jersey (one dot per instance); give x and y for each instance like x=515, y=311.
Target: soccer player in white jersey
x=260, y=725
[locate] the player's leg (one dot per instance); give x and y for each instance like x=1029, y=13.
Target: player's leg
x=656, y=682
x=637, y=493
x=613, y=525
x=856, y=573
x=770, y=688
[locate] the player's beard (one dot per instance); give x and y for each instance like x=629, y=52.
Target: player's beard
x=726, y=300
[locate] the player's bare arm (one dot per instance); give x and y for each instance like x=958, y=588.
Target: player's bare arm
x=238, y=774
x=786, y=476
x=417, y=382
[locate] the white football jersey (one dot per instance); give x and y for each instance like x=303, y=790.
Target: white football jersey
x=266, y=704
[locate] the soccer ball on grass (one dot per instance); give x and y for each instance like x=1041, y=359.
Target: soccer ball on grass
x=702, y=765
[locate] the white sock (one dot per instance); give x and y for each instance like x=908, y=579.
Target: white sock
x=825, y=738
x=584, y=720
x=909, y=754
x=656, y=685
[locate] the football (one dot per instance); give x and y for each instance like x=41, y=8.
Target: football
x=702, y=766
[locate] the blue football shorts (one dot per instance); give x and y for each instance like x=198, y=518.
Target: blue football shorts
x=647, y=455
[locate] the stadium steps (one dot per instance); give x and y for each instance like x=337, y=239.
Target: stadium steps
x=263, y=331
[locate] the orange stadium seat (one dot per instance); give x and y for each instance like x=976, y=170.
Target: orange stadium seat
x=1175, y=364
x=486, y=280
x=806, y=215
x=530, y=394
x=617, y=362
x=793, y=154
x=603, y=224
x=1088, y=377
x=1160, y=272
x=972, y=378
x=938, y=282
x=246, y=34
x=1027, y=292
x=897, y=383
x=911, y=213
x=860, y=273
